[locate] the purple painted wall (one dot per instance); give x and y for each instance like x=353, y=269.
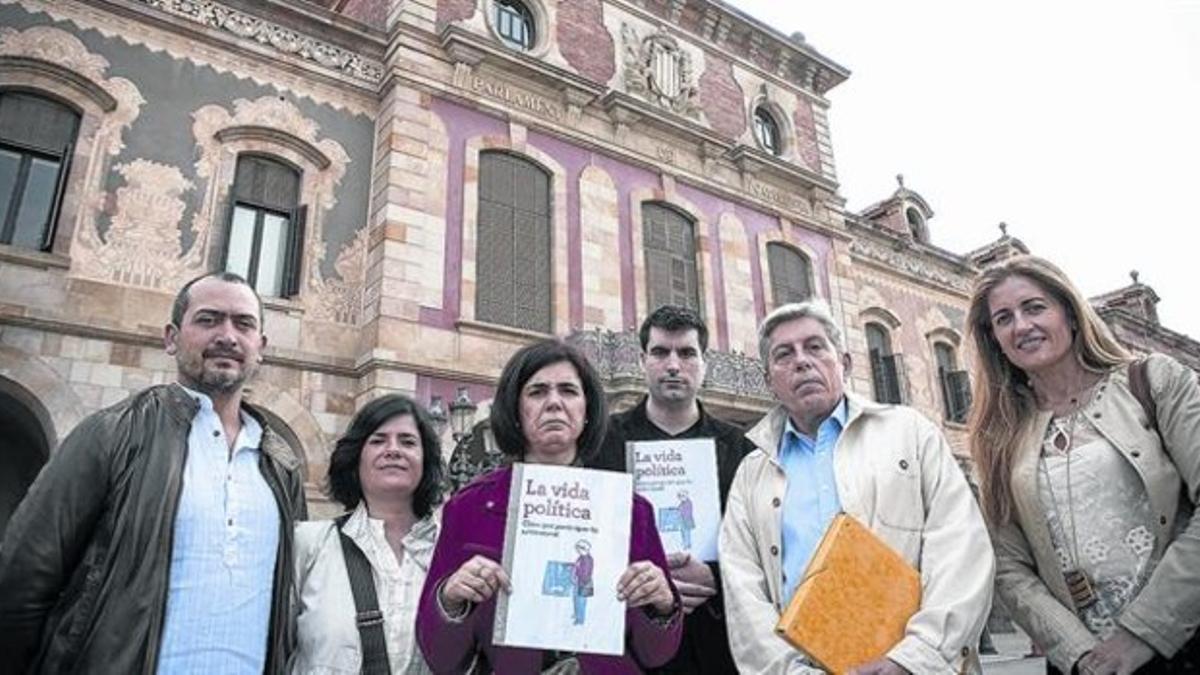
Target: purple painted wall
x=463, y=123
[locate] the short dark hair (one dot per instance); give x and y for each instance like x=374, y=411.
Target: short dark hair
x=506, y=408
x=183, y=297
x=342, y=483
x=672, y=318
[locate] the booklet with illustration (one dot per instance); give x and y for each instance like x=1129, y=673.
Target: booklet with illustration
x=566, y=545
x=679, y=477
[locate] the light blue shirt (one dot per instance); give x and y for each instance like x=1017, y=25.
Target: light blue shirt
x=222, y=555
x=811, y=500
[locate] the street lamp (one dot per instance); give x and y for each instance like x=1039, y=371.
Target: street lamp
x=462, y=413
x=437, y=413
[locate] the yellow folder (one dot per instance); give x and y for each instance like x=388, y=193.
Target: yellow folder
x=855, y=600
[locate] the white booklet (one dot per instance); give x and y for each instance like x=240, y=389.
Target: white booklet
x=679, y=477
x=566, y=545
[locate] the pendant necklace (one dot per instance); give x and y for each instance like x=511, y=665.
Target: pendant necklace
x=1083, y=594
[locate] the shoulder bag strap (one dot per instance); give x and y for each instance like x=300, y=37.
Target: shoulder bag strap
x=367, y=616
x=1139, y=386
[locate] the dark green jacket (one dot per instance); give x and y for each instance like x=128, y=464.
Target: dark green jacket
x=85, y=560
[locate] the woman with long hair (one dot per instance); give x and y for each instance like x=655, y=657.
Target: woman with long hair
x=1089, y=467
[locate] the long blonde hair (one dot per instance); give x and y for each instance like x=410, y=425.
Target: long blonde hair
x=1003, y=402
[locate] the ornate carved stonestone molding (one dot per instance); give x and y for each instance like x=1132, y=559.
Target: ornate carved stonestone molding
x=60, y=56
x=222, y=58
x=268, y=119
x=657, y=69
x=341, y=300
x=276, y=126
x=279, y=38
x=141, y=247
x=910, y=264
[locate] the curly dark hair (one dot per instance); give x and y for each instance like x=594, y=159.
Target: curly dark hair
x=342, y=483
x=673, y=318
x=506, y=408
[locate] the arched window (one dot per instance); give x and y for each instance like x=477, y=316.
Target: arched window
x=266, y=226
x=766, y=131
x=669, y=240
x=514, y=24
x=955, y=384
x=512, y=258
x=916, y=223
x=37, y=137
x=885, y=366
x=791, y=274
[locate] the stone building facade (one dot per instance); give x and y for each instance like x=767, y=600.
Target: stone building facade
x=419, y=187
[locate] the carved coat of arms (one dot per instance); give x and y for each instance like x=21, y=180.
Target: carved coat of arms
x=658, y=69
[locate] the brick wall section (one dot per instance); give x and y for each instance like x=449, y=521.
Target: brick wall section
x=450, y=11
x=806, y=135
x=584, y=41
x=722, y=98
x=371, y=12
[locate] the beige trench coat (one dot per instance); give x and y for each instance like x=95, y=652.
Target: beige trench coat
x=896, y=474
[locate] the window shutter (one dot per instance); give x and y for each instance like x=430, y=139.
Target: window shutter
x=877, y=376
x=513, y=273
x=669, y=244
x=891, y=379
x=790, y=275
x=295, y=252
x=60, y=189
x=959, y=384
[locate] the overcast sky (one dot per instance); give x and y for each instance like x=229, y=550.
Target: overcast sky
x=1076, y=122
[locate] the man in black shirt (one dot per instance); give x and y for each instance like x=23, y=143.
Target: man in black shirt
x=674, y=341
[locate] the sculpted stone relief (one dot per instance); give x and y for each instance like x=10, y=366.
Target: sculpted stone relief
x=275, y=125
x=348, y=67
x=909, y=264
x=141, y=246
x=60, y=50
x=657, y=69
x=241, y=24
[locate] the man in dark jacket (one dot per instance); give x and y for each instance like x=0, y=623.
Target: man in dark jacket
x=674, y=340
x=158, y=538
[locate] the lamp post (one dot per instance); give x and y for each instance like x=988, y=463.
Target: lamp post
x=437, y=413
x=462, y=413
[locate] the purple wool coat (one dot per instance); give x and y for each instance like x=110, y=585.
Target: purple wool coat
x=473, y=524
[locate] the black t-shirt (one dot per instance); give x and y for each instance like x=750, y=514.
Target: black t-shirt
x=705, y=645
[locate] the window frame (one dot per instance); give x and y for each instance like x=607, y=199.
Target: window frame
x=954, y=383
x=886, y=366
x=510, y=317
x=506, y=13
x=767, y=130
x=290, y=275
x=28, y=153
x=809, y=278
x=698, y=300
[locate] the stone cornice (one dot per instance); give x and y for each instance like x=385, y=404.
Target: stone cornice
x=795, y=62
x=751, y=160
x=1128, y=321
x=917, y=261
x=471, y=52
x=273, y=35
x=257, y=132
x=625, y=110
x=72, y=78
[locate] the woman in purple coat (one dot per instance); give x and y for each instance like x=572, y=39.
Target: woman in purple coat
x=549, y=409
